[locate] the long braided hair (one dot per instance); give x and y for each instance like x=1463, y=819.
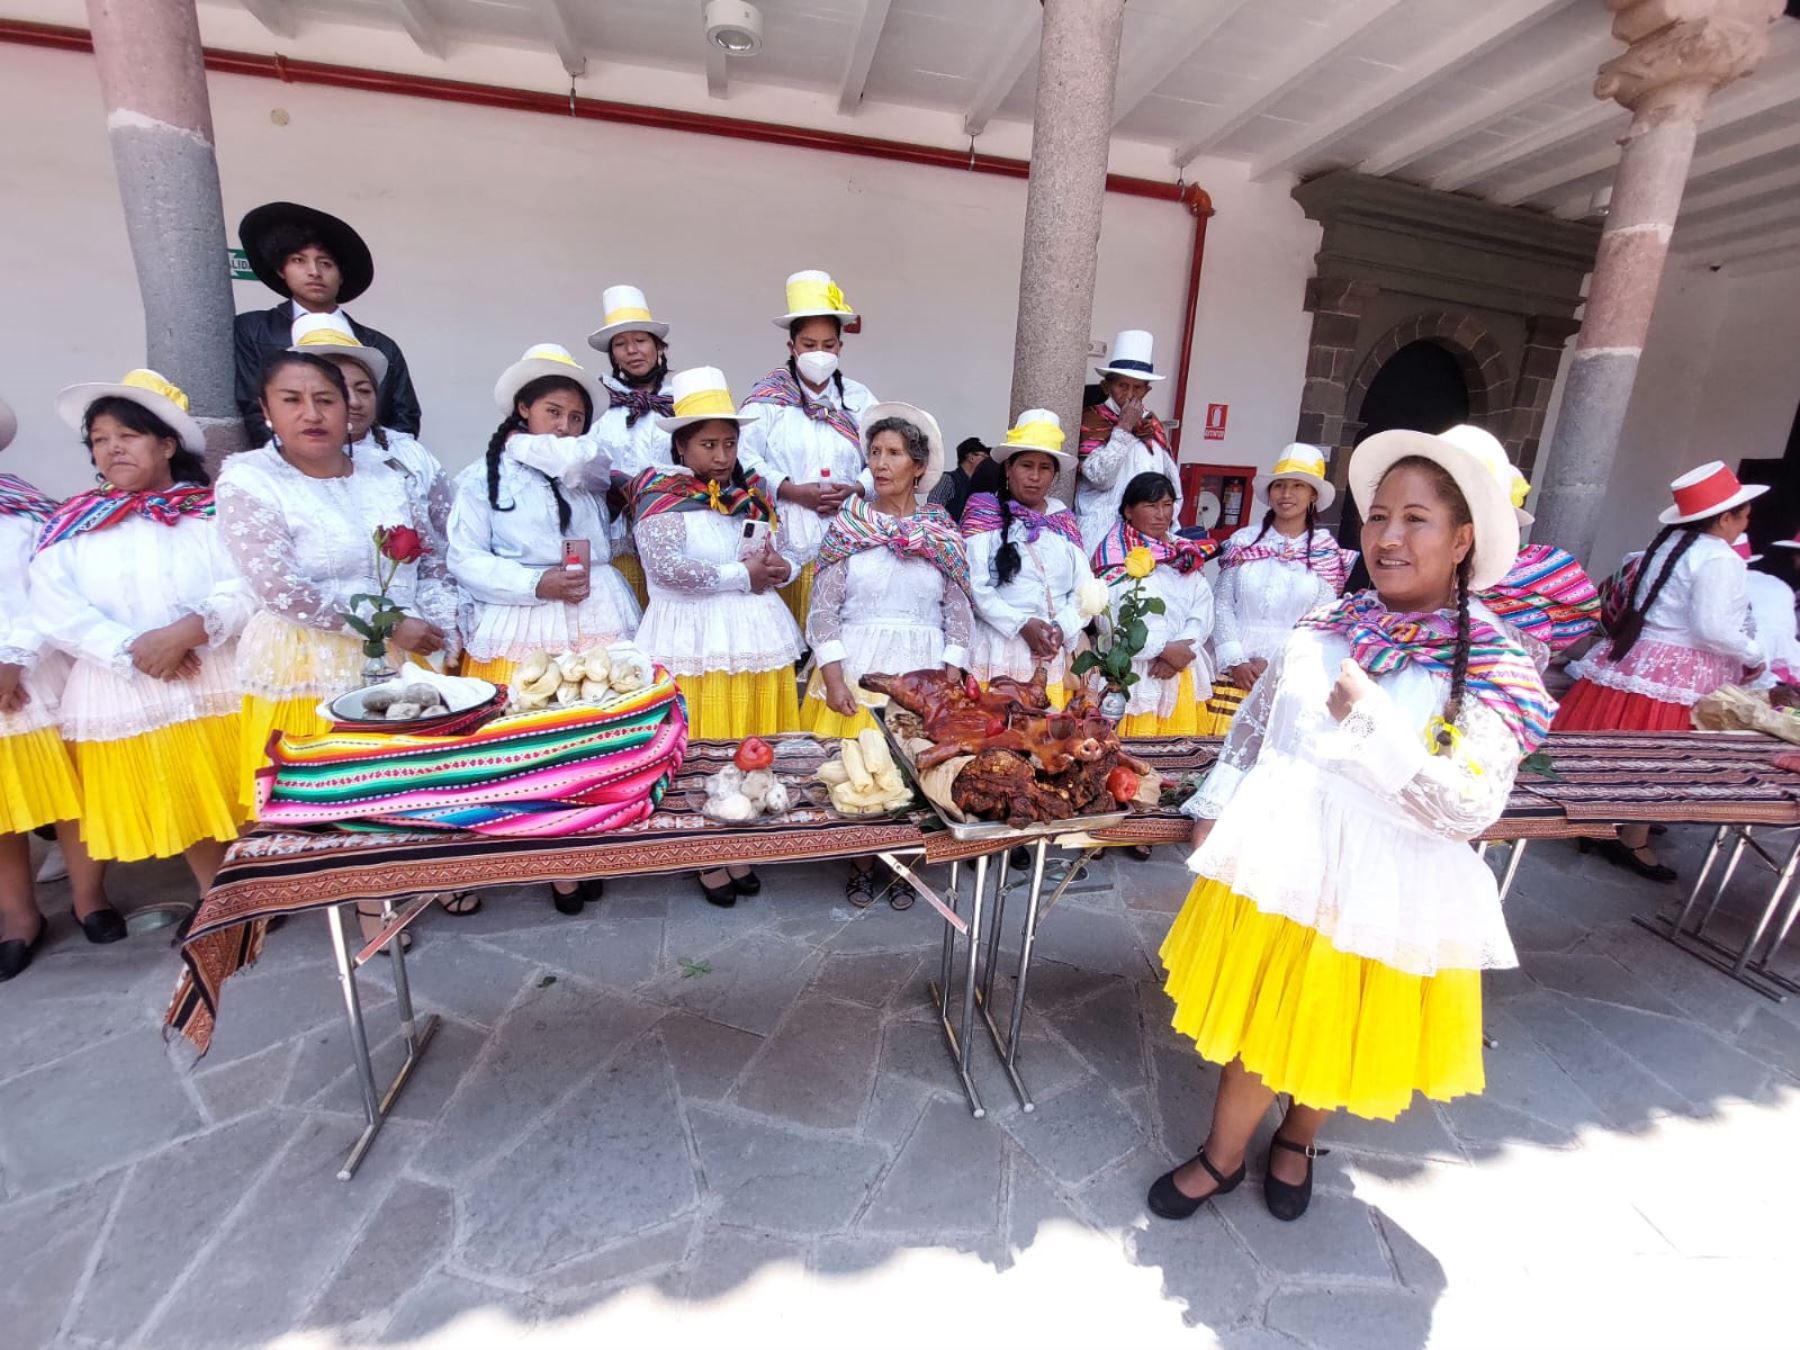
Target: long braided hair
x=793, y=365
x=1630, y=626
x=1007, y=561
x=1452, y=496
x=1312, y=518
x=528, y=395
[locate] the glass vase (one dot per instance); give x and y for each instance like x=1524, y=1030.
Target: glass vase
x=1113, y=704
x=377, y=669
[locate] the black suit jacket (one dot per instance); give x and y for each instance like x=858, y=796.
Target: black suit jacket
x=263, y=331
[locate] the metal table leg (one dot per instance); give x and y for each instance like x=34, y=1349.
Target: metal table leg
x=940, y=989
x=1740, y=964
x=1512, y=868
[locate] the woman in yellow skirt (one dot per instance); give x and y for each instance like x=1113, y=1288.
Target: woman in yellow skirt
x=1269, y=575
x=1332, y=947
x=891, y=593
x=709, y=540
x=133, y=583
x=38, y=786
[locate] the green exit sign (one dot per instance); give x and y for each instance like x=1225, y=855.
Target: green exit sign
x=240, y=265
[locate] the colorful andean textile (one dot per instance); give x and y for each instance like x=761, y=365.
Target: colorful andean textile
x=582, y=769
x=1184, y=555
x=1546, y=596
x=1327, y=559
x=1097, y=425
x=930, y=535
x=657, y=490
x=104, y=507
x=19, y=498
x=640, y=403
x=1500, y=674
x=780, y=389
x=983, y=514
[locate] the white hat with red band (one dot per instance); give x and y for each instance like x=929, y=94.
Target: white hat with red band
x=1710, y=490
x=1741, y=547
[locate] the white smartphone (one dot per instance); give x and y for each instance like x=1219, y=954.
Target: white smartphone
x=756, y=533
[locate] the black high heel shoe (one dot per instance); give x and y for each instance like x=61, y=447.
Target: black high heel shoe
x=1167, y=1201
x=588, y=888
x=104, y=925
x=1287, y=1201
x=16, y=953
x=748, y=884
x=723, y=896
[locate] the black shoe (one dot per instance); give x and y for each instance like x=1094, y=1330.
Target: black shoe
x=16, y=953
x=591, y=889
x=723, y=896
x=748, y=884
x=1019, y=858
x=1620, y=856
x=568, y=904
x=104, y=925
x=1167, y=1201
x=1287, y=1201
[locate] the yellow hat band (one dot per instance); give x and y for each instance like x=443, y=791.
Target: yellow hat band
x=1313, y=468
x=1036, y=436
x=816, y=295
x=706, y=403
x=151, y=382
x=626, y=315
x=327, y=337
x=1521, y=489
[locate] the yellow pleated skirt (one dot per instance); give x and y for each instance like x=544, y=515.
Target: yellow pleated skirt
x=38, y=785
x=1183, y=721
x=725, y=707
x=818, y=718
x=628, y=566
x=797, y=596
x=1218, y=710
x=262, y=718
x=1335, y=1031
x=158, y=794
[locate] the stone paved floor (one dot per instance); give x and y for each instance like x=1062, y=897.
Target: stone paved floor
x=660, y=1124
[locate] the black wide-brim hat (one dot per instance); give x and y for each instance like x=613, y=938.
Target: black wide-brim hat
x=345, y=245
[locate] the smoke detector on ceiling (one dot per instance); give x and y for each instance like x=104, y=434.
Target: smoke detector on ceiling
x=734, y=25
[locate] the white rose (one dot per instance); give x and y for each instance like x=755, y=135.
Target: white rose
x=1092, y=597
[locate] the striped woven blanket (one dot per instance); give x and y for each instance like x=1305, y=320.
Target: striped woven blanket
x=582, y=769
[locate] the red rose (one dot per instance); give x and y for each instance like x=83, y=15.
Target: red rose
x=402, y=544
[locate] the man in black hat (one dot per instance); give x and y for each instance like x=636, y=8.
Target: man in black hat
x=316, y=263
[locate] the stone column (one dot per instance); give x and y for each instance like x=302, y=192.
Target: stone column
x=1680, y=51
x=1071, y=128
x=159, y=123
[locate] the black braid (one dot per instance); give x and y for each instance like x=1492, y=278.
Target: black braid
x=1267, y=525
x=1007, y=561
x=497, y=444
x=1630, y=626
x=1312, y=518
x=1459, y=664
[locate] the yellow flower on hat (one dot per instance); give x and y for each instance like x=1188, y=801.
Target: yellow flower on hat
x=151, y=382
x=1140, y=563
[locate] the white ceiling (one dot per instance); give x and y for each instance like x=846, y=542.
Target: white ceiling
x=1493, y=98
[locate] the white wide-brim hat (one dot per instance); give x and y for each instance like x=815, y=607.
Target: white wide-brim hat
x=9, y=424
x=814, y=295
x=1300, y=463
x=324, y=335
x=1130, y=356
x=701, y=395
x=1710, y=490
x=147, y=389
x=924, y=421
x=1741, y=547
x=547, y=358
x=624, y=310
x=1037, y=429
x=1785, y=543
x=1485, y=483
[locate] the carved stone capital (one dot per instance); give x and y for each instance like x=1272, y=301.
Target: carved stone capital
x=1682, y=50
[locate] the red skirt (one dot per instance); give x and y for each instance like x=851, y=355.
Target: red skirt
x=1597, y=707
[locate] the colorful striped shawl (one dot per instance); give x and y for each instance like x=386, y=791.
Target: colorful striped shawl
x=19, y=498
x=105, y=507
x=639, y=402
x=1500, y=674
x=1184, y=555
x=1318, y=552
x=1547, y=596
x=1097, y=425
x=930, y=535
x=780, y=389
x=983, y=514
x=655, y=491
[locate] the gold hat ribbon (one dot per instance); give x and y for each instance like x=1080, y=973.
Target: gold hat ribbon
x=706, y=403
x=1521, y=489
x=816, y=295
x=626, y=315
x=1313, y=467
x=328, y=337
x=550, y=352
x=1036, y=435
x=151, y=382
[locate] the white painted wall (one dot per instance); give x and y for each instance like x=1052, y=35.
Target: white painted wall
x=492, y=230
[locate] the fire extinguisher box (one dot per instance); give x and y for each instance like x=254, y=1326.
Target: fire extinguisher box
x=1228, y=485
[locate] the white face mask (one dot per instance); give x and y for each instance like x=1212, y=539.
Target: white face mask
x=817, y=367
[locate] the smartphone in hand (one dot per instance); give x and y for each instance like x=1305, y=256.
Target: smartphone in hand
x=578, y=553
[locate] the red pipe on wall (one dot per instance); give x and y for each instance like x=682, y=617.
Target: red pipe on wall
x=1192, y=196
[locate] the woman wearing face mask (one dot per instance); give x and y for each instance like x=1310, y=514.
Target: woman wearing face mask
x=638, y=388
x=133, y=583
x=1332, y=947
x=1026, y=562
x=707, y=534
x=1271, y=574
x=805, y=442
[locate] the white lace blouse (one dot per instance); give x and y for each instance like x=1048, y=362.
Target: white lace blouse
x=21, y=644
x=877, y=611
x=784, y=445
x=1187, y=617
x=1107, y=471
x=430, y=482
x=1260, y=602
x=92, y=595
x=1050, y=570
x=1356, y=829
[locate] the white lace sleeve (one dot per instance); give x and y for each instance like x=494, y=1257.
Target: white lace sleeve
x=226, y=609
x=825, y=619
x=959, y=625
x=1720, y=609
x=1457, y=795
x=662, y=548
x=64, y=614
x=1101, y=467
x=256, y=535
x=20, y=641
x=1243, y=743
x=1199, y=625
x=1226, y=646
x=582, y=461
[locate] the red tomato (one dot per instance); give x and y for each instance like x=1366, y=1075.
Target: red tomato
x=1123, y=784
x=753, y=754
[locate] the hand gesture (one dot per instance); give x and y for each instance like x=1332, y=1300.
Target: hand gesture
x=767, y=569
x=1044, y=639
x=167, y=653
x=567, y=584
x=1353, y=685
x=839, y=697
x=1131, y=414
x=14, y=696
x=417, y=636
